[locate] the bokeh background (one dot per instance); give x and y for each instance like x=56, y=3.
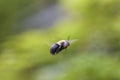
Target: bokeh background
x=29, y=27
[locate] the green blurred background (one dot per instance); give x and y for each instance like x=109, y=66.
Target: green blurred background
x=29, y=27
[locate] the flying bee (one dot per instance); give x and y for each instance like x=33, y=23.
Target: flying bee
x=59, y=46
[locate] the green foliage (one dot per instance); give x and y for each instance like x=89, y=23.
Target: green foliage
x=11, y=12
x=26, y=56
x=100, y=17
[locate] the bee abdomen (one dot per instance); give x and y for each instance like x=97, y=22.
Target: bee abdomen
x=54, y=48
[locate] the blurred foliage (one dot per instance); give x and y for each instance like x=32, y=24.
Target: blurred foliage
x=11, y=12
x=26, y=56
x=101, y=17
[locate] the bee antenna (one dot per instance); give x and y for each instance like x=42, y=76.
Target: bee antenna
x=68, y=38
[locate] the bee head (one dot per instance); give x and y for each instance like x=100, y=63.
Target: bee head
x=66, y=44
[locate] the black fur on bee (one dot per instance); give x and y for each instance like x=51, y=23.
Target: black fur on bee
x=59, y=46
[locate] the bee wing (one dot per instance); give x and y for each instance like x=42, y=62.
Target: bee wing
x=74, y=40
x=48, y=43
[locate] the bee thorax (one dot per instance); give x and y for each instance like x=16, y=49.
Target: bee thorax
x=64, y=43
x=61, y=42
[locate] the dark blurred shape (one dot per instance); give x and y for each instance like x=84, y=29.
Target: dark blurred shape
x=45, y=18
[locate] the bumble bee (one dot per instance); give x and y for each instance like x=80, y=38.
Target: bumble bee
x=59, y=46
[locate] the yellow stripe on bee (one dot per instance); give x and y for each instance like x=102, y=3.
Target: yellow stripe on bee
x=61, y=41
